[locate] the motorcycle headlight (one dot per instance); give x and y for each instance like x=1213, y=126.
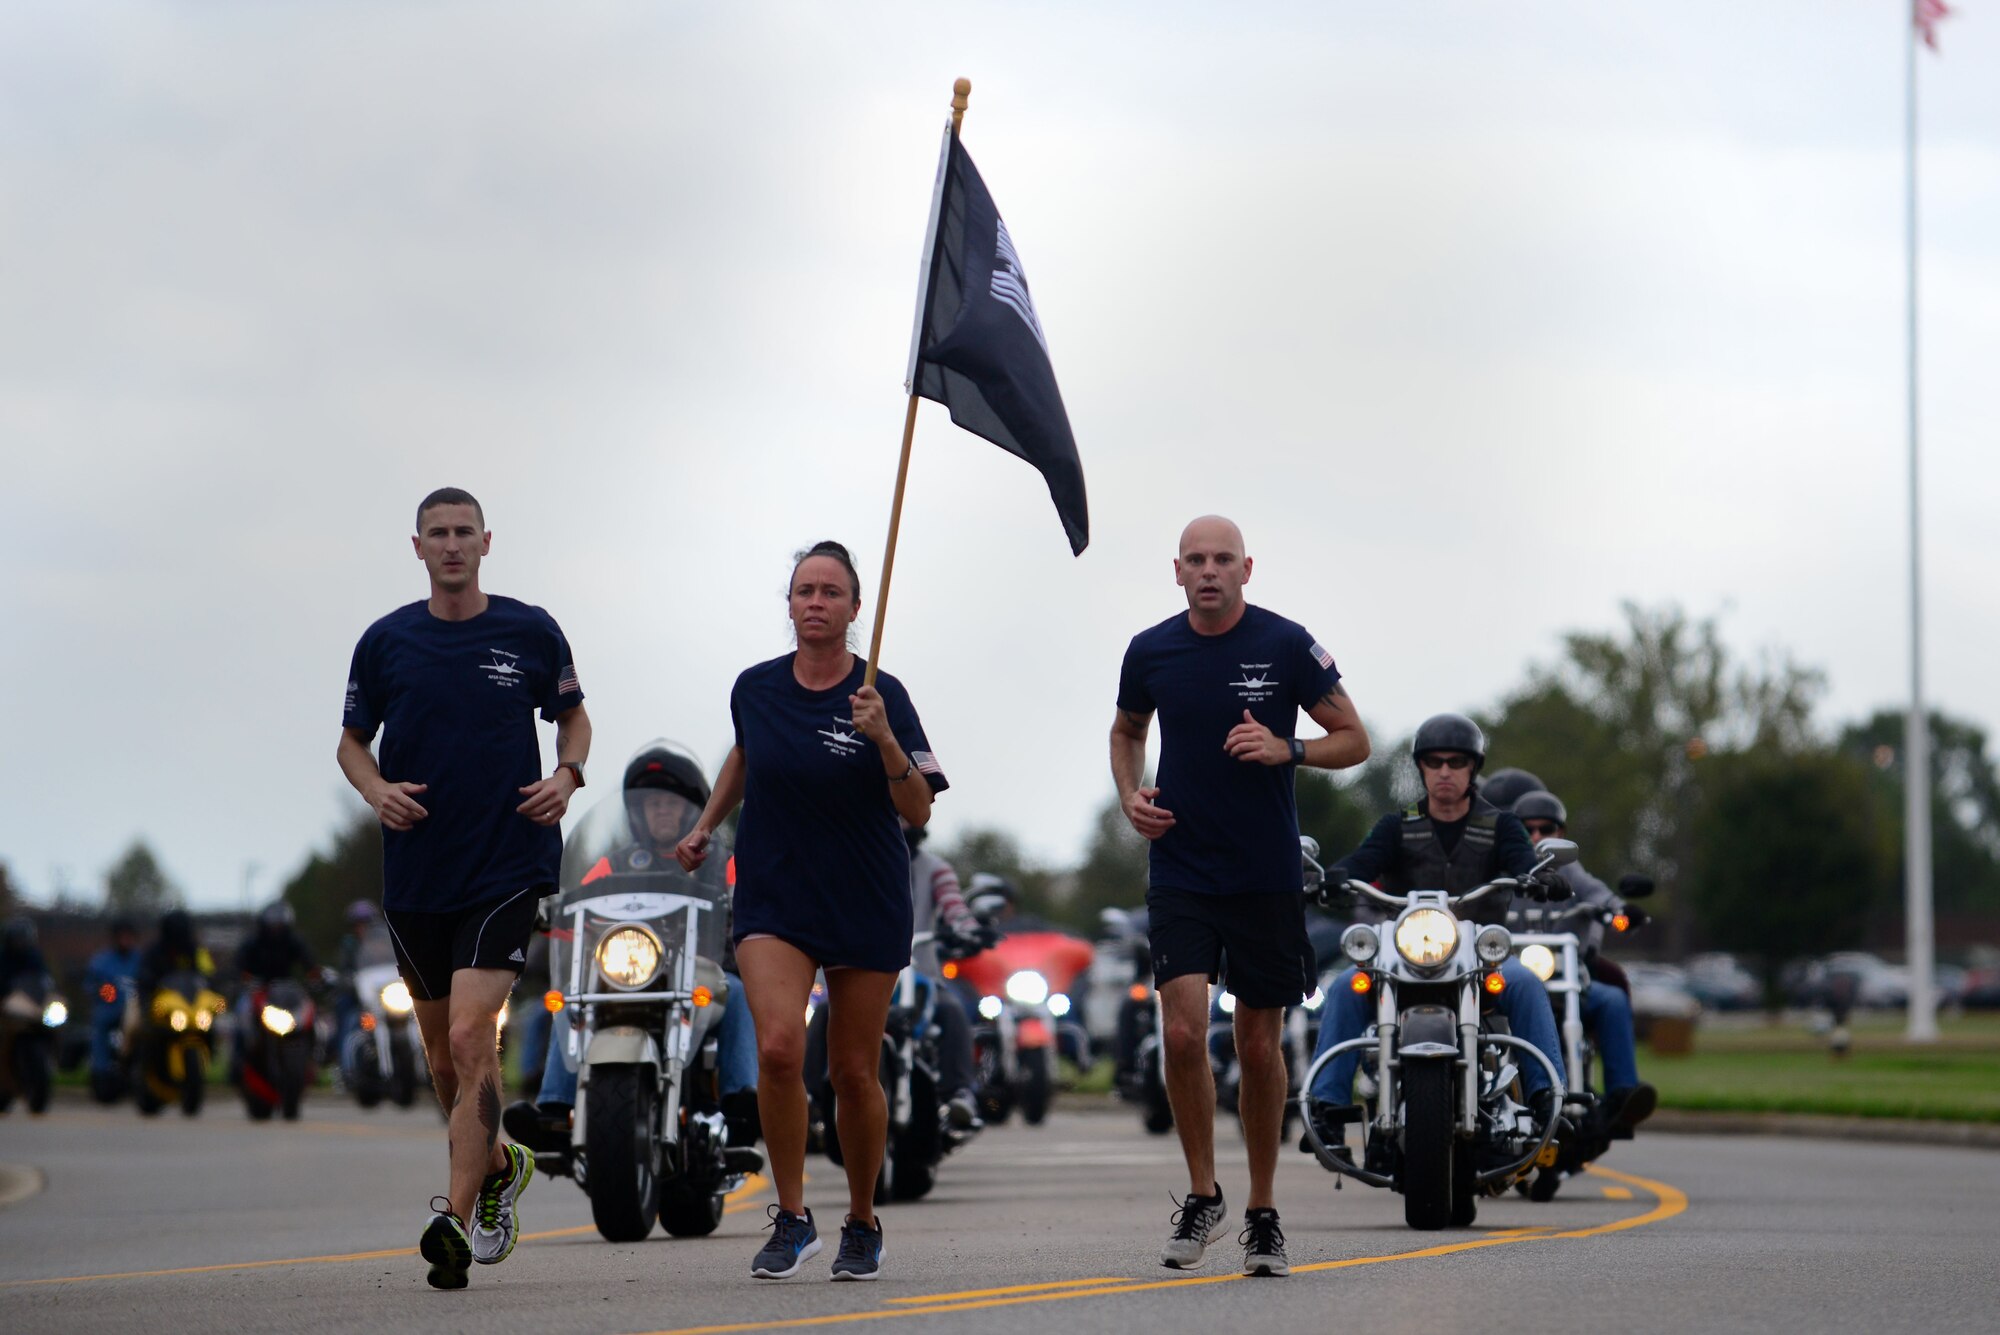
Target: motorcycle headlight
x=177, y=1020
x=1028, y=987
x=202, y=1020
x=1358, y=943
x=1493, y=944
x=55, y=1015
x=1426, y=937
x=629, y=957
x=1540, y=961
x=1059, y=1005
x=396, y=998
x=989, y=1008
x=1227, y=1003
x=279, y=1020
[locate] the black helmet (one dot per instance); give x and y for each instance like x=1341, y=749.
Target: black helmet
x=669, y=766
x=1504, y=787
x=1542, y=806
x=1450, y=732
x=177, y=932
x=123, y=923
x=987, y=892
x=19, y=934
x=277, y=916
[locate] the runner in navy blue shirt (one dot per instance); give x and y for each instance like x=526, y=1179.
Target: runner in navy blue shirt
x=1228, y=681
x=469, y=839
x=823, y=766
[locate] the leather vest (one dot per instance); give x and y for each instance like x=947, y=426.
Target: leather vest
x=1424, y=865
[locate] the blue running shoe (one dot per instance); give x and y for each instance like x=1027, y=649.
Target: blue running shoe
x=861, y=1251
x=794, y=1241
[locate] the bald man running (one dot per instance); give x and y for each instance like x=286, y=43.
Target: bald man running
x=1224, y=891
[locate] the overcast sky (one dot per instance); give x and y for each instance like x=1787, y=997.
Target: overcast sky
x=1478, y=318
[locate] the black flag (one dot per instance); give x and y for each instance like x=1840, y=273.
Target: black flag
x=978, y=347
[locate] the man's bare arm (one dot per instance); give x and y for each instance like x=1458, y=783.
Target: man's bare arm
x=1346, y=740
x=1128, y=767
x=394, y=803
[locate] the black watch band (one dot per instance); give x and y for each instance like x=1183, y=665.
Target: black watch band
x=1298, y=752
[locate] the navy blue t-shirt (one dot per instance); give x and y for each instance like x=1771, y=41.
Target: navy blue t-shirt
x=820, y=860
x=456, y=701
x=1236, y=822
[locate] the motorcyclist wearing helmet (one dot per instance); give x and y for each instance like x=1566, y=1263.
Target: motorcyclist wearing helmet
x=1606, y=1007
x=672, y=790
x=273, y=950
x=174, y=950
x=20, y=949
x=1451, y=840
x=940, y=906
x=363, y=920
x=111, y=971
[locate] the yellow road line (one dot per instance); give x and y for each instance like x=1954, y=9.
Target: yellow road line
x=1671, y=1201
x=735, y=1200
x=1618, y=1193
x=1017, y=1288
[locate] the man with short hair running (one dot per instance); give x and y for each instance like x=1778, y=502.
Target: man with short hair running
x=469, y=839
x=1225, y=887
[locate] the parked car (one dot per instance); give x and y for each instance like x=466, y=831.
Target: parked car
x=1659, y=992
x=1721, y=982
x=1982, y=978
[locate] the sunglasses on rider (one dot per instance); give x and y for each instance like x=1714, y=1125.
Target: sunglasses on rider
x=1436, y=761
x=1543, y=827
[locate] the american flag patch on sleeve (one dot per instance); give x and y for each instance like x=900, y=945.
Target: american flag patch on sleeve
x=1321, y=656
x=925, y=762
x=567, y=684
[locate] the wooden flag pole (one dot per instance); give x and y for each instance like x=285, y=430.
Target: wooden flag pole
x=961, y=90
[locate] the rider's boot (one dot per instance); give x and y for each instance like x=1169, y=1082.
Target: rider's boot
x=543, y=1128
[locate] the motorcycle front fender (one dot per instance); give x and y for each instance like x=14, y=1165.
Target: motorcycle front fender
x=622, y=1045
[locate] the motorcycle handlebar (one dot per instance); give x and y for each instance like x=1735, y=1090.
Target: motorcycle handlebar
x=1403, y=901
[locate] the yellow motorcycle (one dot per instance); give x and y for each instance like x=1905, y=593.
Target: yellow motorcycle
x=171, y=1043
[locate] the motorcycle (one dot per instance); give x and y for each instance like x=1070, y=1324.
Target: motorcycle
x=1023, y=1019
x=635, y=948
x=383, y=1057
x=31, y=1017
x=1444, y=1121
x=278, y=1020
x=1550, y=941
x=1139, y=1071
x=920, y=1133
x=108, y=1082
x=170, y=1042
x=1295, y=1039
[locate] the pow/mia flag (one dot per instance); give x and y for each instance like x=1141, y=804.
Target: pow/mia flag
x=978, y=347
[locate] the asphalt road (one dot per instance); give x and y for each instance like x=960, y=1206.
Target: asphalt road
x=173, y=1225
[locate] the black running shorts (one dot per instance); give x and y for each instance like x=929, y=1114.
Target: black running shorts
x=430, y=947
x=1256, y=945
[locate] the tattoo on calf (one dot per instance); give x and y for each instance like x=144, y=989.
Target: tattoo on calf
x=489, y=1109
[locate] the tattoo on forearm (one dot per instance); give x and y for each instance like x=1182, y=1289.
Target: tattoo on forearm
x=489, y=1109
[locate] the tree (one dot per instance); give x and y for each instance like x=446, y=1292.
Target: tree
x=9, y=899
x=137, y=886
x=1788, y=855
x=1114, y=870
x=320, y=891
x=1622, y=727
x=1965, y=806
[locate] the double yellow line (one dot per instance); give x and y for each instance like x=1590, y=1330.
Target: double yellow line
x=1670, y=1201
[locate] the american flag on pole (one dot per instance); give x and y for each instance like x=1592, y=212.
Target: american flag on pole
x=1927, y=14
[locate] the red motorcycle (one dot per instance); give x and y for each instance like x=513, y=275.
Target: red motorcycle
x=1024, y=985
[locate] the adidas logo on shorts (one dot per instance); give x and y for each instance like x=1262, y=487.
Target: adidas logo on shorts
x=517, y=956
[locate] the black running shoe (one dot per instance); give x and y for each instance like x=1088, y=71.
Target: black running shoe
x=1196, y=1224
x=1263, y=1244
x=446, y=1247
x=794, y=1241
x=861, y=1251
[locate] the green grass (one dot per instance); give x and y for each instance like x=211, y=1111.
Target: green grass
x=1753, y=1067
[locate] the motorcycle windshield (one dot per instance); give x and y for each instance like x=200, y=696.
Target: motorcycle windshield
x=618, y=867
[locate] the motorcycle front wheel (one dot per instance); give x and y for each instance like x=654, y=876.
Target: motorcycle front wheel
x=1037, y=1087
x=32, y=1076
x=618, y=1149
x=194, y=1081
x=689, y=1212
x=1428, y=1149
x=919, y=1146
x=294, y=1063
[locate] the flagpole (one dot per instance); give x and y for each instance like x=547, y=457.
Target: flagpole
x=1918, y=929
x=961, y=90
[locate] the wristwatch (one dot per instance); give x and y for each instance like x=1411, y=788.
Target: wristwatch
x=574, y=767
x=1298, y=752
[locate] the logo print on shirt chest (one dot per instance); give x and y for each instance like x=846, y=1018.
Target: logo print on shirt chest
x=502, y=669
x=841, y=739
x=1256, y=684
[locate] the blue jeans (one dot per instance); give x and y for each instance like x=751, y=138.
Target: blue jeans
x=104, y=1022
x=1347, y=1015
x=1608, y=1013
x=735, y=1042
